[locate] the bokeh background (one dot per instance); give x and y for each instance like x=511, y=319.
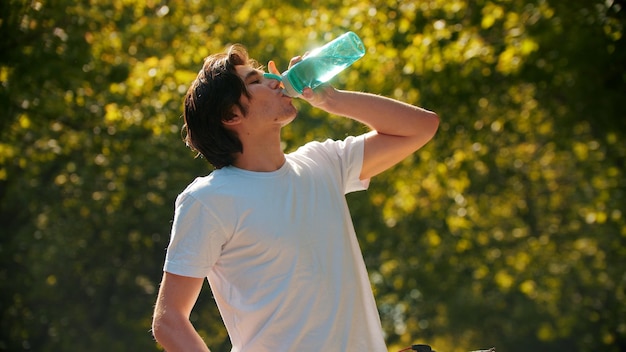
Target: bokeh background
x=507, y=230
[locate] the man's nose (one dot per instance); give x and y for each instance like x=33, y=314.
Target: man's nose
x=275, y=81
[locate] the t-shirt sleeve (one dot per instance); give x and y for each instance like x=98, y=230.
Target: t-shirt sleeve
x=196, y=239
x=350, y=153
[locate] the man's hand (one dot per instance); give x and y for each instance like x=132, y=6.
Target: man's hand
x=318, y=97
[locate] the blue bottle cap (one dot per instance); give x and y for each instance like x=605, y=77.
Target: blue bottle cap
x=273, y=76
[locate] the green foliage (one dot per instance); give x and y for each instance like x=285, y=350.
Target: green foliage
x=507, y=230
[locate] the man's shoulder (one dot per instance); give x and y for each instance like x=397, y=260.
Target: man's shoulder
x=329, y=147
x=211, y=183
x=329, y=144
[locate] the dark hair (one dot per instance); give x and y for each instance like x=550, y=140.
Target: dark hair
x=210, y=101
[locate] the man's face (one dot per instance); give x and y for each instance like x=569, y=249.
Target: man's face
x=267, y=103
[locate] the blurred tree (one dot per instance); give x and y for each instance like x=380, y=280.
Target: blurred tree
x=507, y=230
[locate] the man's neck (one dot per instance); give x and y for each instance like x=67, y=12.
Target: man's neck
x=267, y=164
x=261, y=157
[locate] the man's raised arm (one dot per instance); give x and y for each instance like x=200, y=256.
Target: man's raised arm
x=398, y=129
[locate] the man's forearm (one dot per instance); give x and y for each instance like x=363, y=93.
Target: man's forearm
x=385, y=115
x=177, y=336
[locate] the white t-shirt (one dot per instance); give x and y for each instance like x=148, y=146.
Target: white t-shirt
x=280, y=252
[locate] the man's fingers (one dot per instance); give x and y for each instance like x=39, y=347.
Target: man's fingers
x=295, y=60
x=271, y=66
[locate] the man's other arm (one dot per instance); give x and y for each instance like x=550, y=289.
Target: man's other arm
x=170, y=324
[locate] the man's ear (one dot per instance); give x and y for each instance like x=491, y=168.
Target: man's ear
x=235, y=117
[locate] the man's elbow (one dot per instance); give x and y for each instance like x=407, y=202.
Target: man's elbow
x=434, y=121
x=429, y=125
x=159, y=328
x=156, y=329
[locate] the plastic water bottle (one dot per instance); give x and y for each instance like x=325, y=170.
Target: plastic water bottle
x=323, y=63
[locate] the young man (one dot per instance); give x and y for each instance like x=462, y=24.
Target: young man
x=271, y=231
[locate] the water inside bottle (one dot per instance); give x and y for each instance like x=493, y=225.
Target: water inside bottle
x=317, y=70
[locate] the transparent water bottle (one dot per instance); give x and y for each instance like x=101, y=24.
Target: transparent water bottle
x=323, y=63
